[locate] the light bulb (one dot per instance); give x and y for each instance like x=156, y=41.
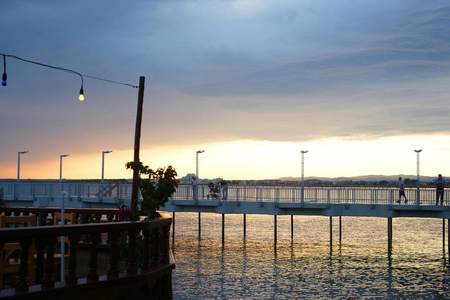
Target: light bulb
x=81, y=97
x=4, y=82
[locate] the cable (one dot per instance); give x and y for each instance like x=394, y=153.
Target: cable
x=64, y=69
x=112, y=81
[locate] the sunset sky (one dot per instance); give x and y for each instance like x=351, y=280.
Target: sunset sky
x=360, y=84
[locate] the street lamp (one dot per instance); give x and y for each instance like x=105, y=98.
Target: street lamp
x=303, y=165
x=63, y=194
x=196, y=162
x=18, y=163
x=103, y=161
x=418, y=176
x=60, y=170
x=303, y=174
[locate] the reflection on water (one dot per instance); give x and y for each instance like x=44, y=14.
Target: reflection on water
x=307, y=267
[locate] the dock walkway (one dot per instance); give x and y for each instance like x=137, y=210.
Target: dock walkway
x=242, y=199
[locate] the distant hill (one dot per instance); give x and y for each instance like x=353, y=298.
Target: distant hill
x=367, y=178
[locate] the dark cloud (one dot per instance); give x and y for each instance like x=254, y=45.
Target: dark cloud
x=283, y=71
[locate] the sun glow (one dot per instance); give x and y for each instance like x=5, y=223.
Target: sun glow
x=246, y=159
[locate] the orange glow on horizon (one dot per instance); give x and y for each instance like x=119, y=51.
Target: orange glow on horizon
x=253, y=160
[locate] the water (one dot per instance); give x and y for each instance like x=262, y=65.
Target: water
x=307, y=267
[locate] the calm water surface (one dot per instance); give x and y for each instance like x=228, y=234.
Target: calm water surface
x=307, y=267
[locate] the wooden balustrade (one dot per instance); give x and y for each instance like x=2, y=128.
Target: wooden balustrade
x=149, y=274
x=46, y=214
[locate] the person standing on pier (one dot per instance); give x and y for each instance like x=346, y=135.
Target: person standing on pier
x=224, y=185
x=194, y=188
x=401, y=191
x=440, y=183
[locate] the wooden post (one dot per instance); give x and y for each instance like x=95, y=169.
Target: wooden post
x=223, y=230
x=173, y=227
x=93, y=276
x=113, y=272
x=145, y=251
x=331, y=231
x=155, y=247
x=389, y=235
x=137, y=144
x=275, y=230
x=448, y=234
x=245, y=226
x=340, y=230
x=199, y=227
x=292, y=227
x=164, y=246
x=443, y=235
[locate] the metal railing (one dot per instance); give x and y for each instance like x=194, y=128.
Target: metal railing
x=96, y=192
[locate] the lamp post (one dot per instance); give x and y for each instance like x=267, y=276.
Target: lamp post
x=60, y=170
x=103, y=162
x=196, y=162
x=18, y=163
x=303, y=175
x=63, y=194
x=418, y=176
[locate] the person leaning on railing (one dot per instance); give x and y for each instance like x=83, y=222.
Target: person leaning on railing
x=440, y=184
x=194, y=188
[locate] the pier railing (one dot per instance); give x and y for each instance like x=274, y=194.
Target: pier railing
x=103, y=195
x=149, y=276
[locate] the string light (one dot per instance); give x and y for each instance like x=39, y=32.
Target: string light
x=81, y=94
x=81, y=97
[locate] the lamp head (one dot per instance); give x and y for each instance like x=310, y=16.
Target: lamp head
x=304, y=151
x=418, y=151
x=200, y=151
x=81, y=97
x=4, y=82
x=64, y=155
x=23, y=152
x=108, y=151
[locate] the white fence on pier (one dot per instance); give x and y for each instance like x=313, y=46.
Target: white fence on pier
x=96, y=192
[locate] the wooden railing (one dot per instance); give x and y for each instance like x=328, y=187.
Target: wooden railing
x=150, y=277
x=84, y=215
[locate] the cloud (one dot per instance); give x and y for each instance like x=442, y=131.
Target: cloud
x=223, y=70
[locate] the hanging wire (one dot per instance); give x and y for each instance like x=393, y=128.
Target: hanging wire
x=62, y=69
x=112, y=81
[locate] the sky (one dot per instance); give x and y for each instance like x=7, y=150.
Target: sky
x=359, y=84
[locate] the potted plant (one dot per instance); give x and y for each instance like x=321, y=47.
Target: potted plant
x=156, y=189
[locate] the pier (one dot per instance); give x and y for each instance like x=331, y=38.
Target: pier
x=276, y=200
x=95, y=201
x=243, y=199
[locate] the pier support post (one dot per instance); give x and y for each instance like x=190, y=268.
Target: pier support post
x=448, y=234
x=340, y=230
x=199, y=226
x=275, y=230
x=331, y=231
x=173, y=227
x=389, y=235
x=443, y=235
x=245, y=226
x=223, y=230
x=292, y=227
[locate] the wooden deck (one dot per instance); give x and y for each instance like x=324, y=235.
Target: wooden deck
x=148, y=270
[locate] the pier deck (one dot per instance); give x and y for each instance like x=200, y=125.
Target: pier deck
x=242, y=199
